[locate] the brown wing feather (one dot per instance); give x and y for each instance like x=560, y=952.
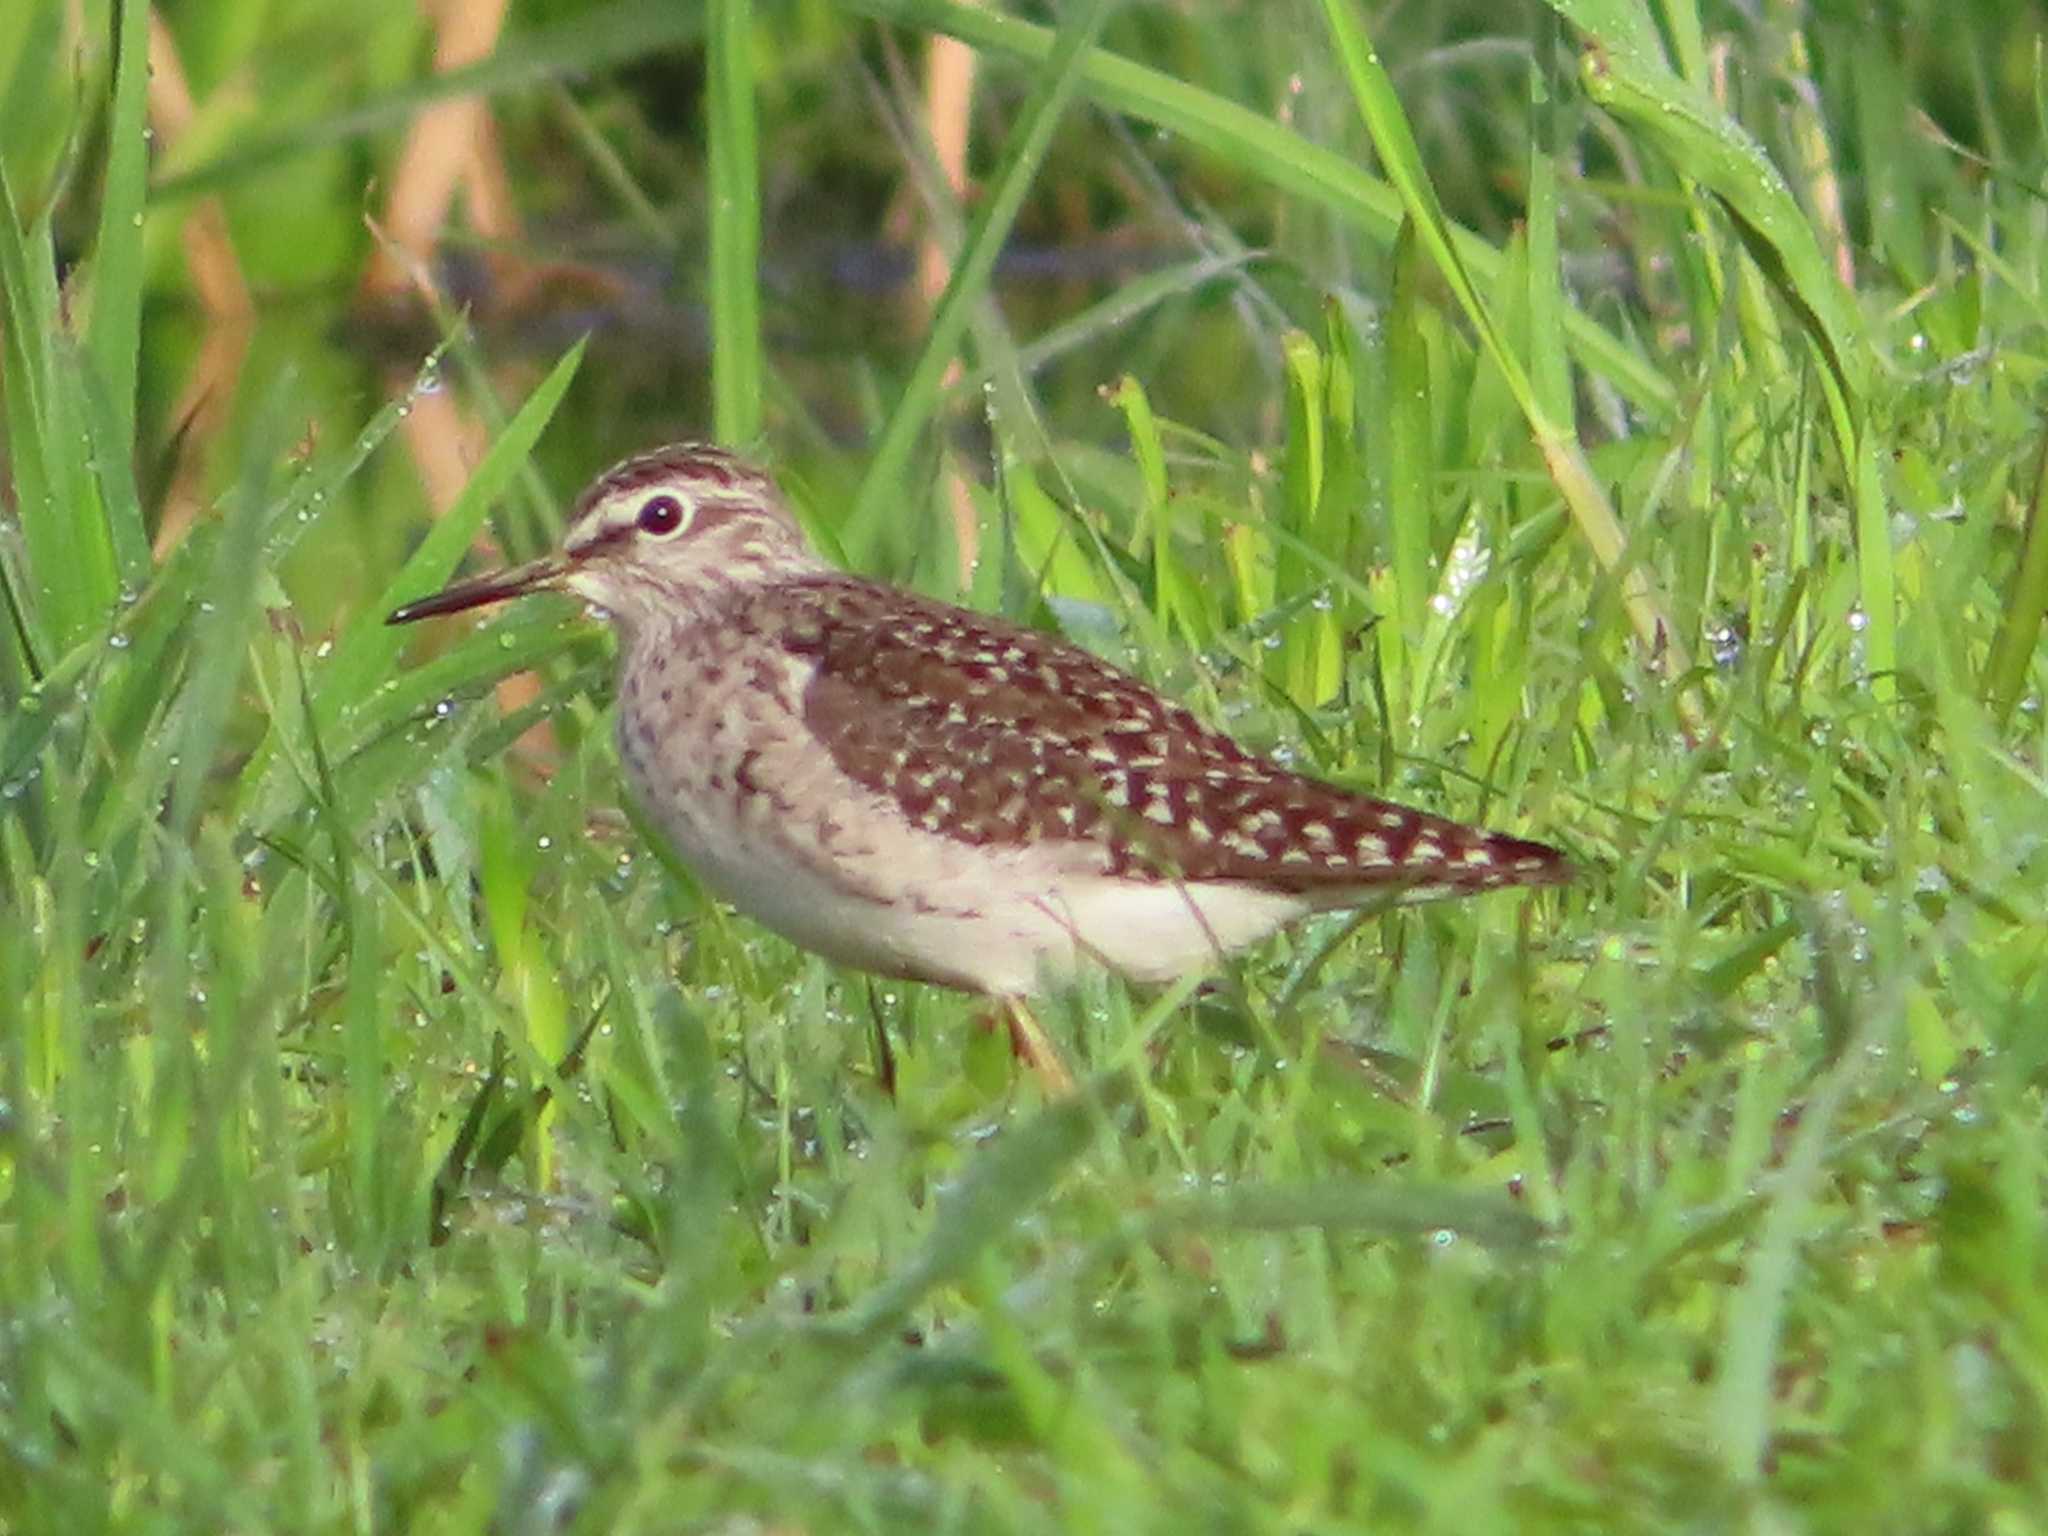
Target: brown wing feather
x=995, y=734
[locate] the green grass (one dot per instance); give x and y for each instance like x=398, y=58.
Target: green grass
x=391, y=1138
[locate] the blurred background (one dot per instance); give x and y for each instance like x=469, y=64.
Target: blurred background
x=329, y=188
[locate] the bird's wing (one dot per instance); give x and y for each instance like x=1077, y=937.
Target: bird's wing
x=995, y=734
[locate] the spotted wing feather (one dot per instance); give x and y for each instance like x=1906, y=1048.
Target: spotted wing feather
x=995, y=734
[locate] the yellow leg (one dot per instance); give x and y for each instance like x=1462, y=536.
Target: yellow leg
x=1035, y=1048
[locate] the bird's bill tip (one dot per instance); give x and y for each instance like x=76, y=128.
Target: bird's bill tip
x=493, y=588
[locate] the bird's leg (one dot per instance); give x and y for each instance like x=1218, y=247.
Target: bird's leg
x=1034, y=1047
x=885, y=1054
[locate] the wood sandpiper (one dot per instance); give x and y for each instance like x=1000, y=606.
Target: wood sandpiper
x=922, y=791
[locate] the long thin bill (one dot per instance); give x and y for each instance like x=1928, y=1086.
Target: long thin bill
x=494, y=588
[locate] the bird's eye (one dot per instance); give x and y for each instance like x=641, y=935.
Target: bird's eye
x=661, y=516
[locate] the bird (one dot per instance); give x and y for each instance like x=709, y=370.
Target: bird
x=921, y=791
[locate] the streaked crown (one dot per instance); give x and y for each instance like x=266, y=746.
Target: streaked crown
x=672, y=528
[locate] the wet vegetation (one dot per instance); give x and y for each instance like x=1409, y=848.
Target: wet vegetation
x=1618, y=423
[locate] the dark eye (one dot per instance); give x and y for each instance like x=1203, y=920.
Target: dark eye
x=660, y=516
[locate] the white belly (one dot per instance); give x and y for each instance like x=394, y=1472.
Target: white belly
x=765, y=821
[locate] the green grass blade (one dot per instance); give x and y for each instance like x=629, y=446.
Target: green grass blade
x=735, y=257
x=1549, y=361
x=1408, y=458
x=2019, y=620
x=70, y=578
x=113, y=333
